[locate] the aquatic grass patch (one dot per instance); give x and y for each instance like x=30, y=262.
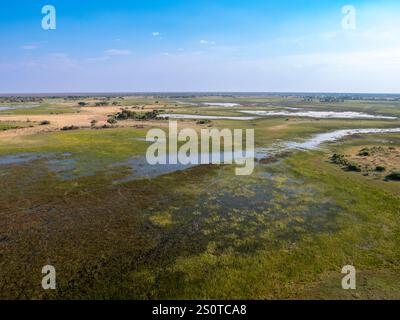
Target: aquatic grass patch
x=265, y=236
x=102, y=236
x=90, y=151
x=370, y=214
x=100, y=144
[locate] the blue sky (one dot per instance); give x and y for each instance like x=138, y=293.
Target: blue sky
x=200, y=45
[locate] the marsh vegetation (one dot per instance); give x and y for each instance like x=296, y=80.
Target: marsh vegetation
x=83, y=202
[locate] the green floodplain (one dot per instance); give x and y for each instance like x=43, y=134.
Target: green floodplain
x=71, y=199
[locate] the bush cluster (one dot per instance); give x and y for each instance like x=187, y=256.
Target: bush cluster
x=340, y=159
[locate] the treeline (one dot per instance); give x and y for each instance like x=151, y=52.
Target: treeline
x=336, y=99
x=324, y=99
x=98, y=104
x=21, y=99
x=108, y=98
x=131, y=115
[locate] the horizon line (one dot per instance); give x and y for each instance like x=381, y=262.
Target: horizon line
x=108, y=93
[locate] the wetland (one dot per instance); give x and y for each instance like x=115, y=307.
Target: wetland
x=87, y=201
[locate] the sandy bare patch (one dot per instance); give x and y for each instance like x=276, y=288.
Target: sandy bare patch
x=82, y=119
x=376, y=160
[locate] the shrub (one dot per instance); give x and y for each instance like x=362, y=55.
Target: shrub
x=151, y=115
x=339, y=159
x=395, y=176
x=67, y=128
x=353, y=167
x=82, y=104
x=112, y=121
x=364, y=153
x=380, y=169
x=44, y=122
x=127, y=114
x=206, y=121
x=101, y=104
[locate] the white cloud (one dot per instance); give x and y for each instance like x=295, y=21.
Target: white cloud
x=97, y=59
x=368, y=59
x=61, y=59
x=118, y=52
x=29, y=47
x=156, y=34
x=51, y=62
x=206, y=42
